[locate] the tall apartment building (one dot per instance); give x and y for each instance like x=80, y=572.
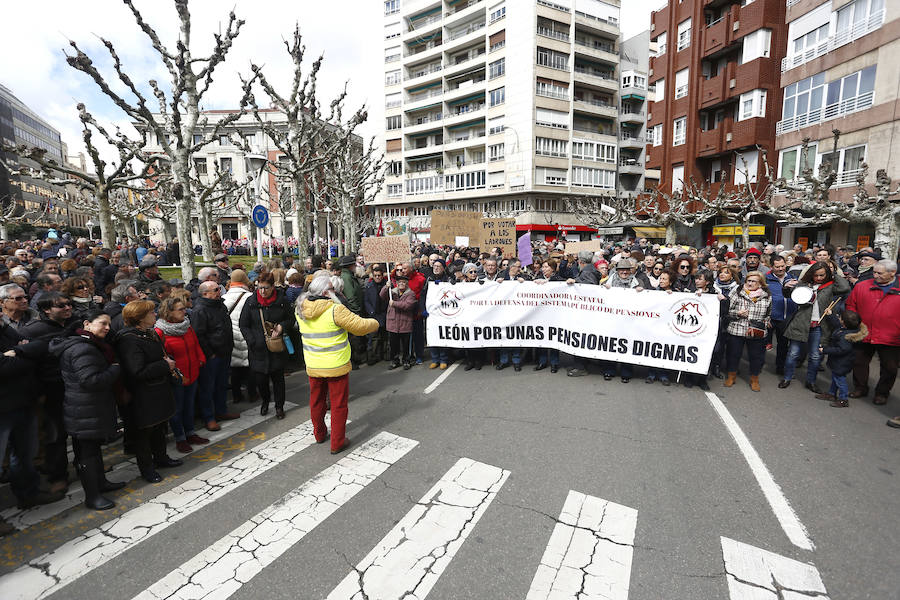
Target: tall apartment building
x=636, y=96
x=841, y=72
x=716, y=73
x=505, y=107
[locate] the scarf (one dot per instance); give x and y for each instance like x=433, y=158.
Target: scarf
x=81, y=300
x=102, y=345
x=755, y=294
x=725, y=288
x=266, y=301
x=173, y=329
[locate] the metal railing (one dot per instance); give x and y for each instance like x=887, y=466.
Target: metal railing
x=841, y=38
x=630, y=162
x=595, y=73
x=596, y=103
x=424, y=22
x=552, y=92
x=597, y=130
x=610, y=21
x=424, y=47
x=553, y=61
x=430, y=94
x=630, y=110
x=424, y=72
x=553, y=33
x=629, y=137
x=596, y=46
x=462, y=7
x=470, y=29
x=831, y=111
x=554, y=5
x=423, y=120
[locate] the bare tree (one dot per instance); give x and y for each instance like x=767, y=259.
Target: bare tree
x=354, y=176
x=306, y=140
x=691, y=206
x=179, y=116
x=600, y=211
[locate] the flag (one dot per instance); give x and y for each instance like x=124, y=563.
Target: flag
x=523, y=245
x=380, y=232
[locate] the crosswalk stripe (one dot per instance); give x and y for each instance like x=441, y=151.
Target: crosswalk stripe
x=757, y=574
x=589, y=553
x=413, y=555
x=126, y=470
x=77, y=557
x=224, y=567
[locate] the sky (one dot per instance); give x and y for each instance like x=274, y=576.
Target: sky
x=348, y=33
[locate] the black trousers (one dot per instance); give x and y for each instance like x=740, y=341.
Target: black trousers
x=240, y=377
x=149, y=445
x=56, y=462
x=262, y=386
x=378, y=345
x=86, y=450
x=399, y=347
x=889, y=356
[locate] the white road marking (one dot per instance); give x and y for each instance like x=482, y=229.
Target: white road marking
x=127, y=470
x=589, y=553
x=441, y=378
x=785, y=514
x=220, y=570
x=55, y=570
x=413, y=555
x=756, y=574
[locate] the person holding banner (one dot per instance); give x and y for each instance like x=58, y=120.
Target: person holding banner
x=440, y=357
x=750, y=308
x=474, y=356
x=402, y=308
x=587, y=274
x=548, y=355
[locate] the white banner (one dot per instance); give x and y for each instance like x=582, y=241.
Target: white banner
x=670, y=331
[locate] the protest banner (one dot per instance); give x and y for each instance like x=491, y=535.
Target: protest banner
x=447, y=224
x=524, y=248
x=671, y=331
x=498, y=233
x=576, y=247
x=385, y=249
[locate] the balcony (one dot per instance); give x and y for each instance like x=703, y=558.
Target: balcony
x=459, y=33
x=630, y=166
x=840, y=39
x=709, y=143
x=630, y=140
x=461, y=6
x=601, y=79
x=424, y=74
x=831, y=111
x=718, y=34
x=631, y=114
x=753, y=16
x=607, y=26
x=555, y=34
x=754, y=74
x=717, y=89
x=597, y=51
x=746, y=134
x=595, y=132
x=595, y=107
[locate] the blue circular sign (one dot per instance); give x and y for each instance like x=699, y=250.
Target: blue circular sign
x=260, y=216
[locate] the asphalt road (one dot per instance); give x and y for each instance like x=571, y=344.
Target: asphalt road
x=663, y=452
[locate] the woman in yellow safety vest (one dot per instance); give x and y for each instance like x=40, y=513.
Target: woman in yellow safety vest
x=324, y=325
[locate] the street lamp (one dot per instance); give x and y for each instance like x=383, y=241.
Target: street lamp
x=90, y=225
x=328, y=231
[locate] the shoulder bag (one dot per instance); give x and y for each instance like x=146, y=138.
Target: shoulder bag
x=273, y=344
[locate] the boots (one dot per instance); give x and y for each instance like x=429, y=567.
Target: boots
x=91, y=474
x=105, y=484
x=754, y=383
x=732, y=377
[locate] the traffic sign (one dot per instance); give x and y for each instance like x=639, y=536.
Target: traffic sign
x=260, y=216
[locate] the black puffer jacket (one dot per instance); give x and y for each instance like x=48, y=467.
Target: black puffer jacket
x=146, y=376
x=39, y=333
x=212, y=324
x=16, y=372
x=261, y=360
x=89, y=408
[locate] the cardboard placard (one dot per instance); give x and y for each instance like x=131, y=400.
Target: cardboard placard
x=862, y=241
x=447, y=224
x=462, y=241
x=576, y=247
x=393, y=249
x=498, y=233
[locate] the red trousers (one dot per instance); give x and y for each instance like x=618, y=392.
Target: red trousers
x=338, y=389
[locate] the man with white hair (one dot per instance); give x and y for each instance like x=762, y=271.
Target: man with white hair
x=324, y=328
x=212, y=324
x=878, y=304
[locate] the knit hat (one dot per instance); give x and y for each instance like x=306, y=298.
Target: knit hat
x=753, y=251
x=439, y=260
x=468, y=268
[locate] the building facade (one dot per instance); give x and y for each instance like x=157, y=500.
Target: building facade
x=840, y=73
x=636, y=97
x=507, y=108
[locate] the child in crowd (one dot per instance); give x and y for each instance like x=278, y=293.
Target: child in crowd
x=840, y=356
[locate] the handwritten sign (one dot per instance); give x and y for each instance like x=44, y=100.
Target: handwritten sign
x=576, y=247
x=447, y=224
x=498, y=233
x=392, y=249
x=861, y=242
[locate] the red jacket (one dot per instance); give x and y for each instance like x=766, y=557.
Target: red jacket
x=186, y=352
x=417, y=284
x=879, y=311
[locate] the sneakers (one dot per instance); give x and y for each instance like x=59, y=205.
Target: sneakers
x=838, y=403
x=393, y=365
x=895, y=423
x=573, y=372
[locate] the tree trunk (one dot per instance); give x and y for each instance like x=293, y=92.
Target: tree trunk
x=887, y=234
x=204, y=224
x=107, y=231
x=302, y=225
x=183, y=214
x=745, y=234
x=671, y=235
x=4, y=232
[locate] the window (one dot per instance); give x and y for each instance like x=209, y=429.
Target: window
x=656, y=135
x=552, y=118
x=679, y=131
x=598, y=178
x=392, y=77
x=752, y=104
x=552, y=89
x=497, y=68
x=661, y=41
x=810, y=40
x=498, y=96
x=392, y=54
x=854, y=16
x=681, y=83
x=200, y=166
x=224, y=140
x=391, y=7
x=746, y=165
x=197, y=138
x=811, y=101
x=792, y=161
x=495, y=125
x=464, y=181
x=497, y=13
x=424, y=185
x=551, y=147
x=756, y=45
x=552, y=59
x=225, y=165
x=684, y=34
x=395, y=168
x=497, y=41
x=677, y=178
x=548, y=176
x=392, y=100
x=393, y=122
x=496, y=179
x=392, y=146
x=596, y=151
x=392, y=31
x=394, y=190
x=496, y=152
x=660, y=90
x=846, y=163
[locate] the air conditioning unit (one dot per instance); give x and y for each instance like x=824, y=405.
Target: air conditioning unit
x=728, y=137
x=736, y=26
x=731, y=84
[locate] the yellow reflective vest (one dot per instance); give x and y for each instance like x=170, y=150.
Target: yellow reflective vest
x=325, y=345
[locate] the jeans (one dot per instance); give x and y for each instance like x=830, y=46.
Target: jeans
x=212, y=388
x=516, y=356
x=549, y=354
x=782, y=344
x=734, y=348
x=609, y=369
x=182, y=422
x=889, y=356
x=19, y=430
x=262, y=386
x=440, y=355
x=839, y=387
x=661, y=374
x=815, y=357
x=337, y=389
x=378, y=345
x=418, y=340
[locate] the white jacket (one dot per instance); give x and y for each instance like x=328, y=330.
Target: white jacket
x=239, y=296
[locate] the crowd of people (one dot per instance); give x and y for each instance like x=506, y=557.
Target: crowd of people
x=96, y=345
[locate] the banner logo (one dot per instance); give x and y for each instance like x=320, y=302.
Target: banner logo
x=450, y=303
x=688, y=317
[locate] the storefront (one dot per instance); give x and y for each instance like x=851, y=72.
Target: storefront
x=731, y=234
x=552, y=232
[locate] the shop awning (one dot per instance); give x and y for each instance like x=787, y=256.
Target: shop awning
x=650, y=232
x=734, y=230
x=554, y=228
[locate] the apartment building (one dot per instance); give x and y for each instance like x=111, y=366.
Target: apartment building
x=506, y=107
x=840, y=72
x=635, y=98
x=716, y=74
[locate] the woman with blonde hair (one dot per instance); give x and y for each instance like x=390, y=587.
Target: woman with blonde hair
x=749, y=309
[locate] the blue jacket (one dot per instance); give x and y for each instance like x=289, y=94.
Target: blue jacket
x=782, y=308
x=840, y=351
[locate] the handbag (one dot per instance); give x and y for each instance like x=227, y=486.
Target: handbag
x=273, y=343
x=756, y=329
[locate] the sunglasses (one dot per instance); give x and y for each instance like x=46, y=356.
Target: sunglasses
x=16, y=298
x=63, y=305
x=80, y=287
x=684, y=267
